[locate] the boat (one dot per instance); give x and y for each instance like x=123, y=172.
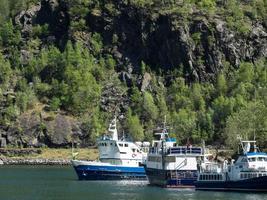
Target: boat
x=248, y=173
x=169, y=165
x=118, y=159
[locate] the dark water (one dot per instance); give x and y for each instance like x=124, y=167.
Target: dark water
x=60, y=183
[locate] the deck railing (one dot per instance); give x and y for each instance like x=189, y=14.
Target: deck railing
x=177, y=150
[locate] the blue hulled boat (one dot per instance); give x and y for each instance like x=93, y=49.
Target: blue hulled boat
x=247, y=173
x=118, y=159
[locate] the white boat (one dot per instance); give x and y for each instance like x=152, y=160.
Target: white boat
x=169, y=165
x=247, y=173
x=118, y=159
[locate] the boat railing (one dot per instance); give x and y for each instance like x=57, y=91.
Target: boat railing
x=185, y=150
x=178, y=150
x=174, y=174
x=212, y=168
x=248, y=174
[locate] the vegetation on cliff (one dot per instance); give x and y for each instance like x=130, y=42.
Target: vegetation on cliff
x=201, y=63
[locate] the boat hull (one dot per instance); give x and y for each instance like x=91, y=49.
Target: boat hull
x=254, y=185
x=96, y=171
x=163, y=178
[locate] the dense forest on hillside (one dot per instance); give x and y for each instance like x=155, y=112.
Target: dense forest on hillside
x=67, y=66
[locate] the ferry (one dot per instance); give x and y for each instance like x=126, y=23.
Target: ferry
x=118, y=159
x=169, y=165
x=248, y=173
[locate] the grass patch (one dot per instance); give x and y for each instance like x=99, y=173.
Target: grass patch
x=49, y=153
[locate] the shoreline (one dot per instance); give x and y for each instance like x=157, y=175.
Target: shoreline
x=45, y=156
x=35, y=161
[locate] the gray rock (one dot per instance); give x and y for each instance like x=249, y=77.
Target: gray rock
x=59, y=131
x=25, y=19
x=126, y=78
x=145, y=81
x=3, y=143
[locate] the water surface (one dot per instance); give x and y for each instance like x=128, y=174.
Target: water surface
x=60, y=183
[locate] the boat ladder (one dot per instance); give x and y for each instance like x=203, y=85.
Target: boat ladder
x=174, y=175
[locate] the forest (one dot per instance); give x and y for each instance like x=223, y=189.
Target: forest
x=93, y=59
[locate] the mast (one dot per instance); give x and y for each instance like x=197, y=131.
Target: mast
x=113, y=129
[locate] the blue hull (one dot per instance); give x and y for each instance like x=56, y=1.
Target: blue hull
x=249, y=185
x=92, y=172
x=163, y=178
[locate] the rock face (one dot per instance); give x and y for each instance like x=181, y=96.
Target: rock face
x=59, y=131
x=37, y=130
x=199, y=47
x=47, y=12
x=26, y=19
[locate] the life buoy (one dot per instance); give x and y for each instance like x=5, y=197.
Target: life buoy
x=134, y=155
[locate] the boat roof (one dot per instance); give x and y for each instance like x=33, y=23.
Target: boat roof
x=256, y=154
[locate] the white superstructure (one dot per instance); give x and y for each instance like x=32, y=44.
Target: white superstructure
x=165, y=154
x=251, y=164
x=115, y=151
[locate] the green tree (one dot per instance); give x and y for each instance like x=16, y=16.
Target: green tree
x=134, y=126
x=221, y=85
x=197, y=98
x=184, y=124
x=5, y=71
x=150, y=109
x=249, y=120
x=4, y=10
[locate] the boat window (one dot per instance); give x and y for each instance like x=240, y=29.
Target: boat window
x=133, y=150
x=111, y=144
x=244, y=160
x=261, y=159
x=252, y=159
x=126, y=145
x=120, y=144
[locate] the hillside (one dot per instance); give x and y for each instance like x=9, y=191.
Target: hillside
x=67, y=66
